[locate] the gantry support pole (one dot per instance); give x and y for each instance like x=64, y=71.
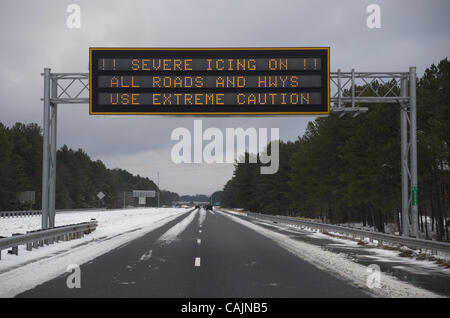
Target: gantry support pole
x=46, y=151
x=404, y=157
x=53, y=140
x=413, y=152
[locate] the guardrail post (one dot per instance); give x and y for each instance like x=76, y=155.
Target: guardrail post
x=15, y=249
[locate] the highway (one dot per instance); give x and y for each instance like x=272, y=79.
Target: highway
x=213, y=256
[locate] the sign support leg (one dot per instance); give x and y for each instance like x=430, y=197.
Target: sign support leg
x=45, y=150
x=413, y=151
x=404, y=158
x=53, y=130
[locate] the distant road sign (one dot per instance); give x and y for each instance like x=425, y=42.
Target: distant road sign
x=100, y=195
x=144, y=193
x=210, y=81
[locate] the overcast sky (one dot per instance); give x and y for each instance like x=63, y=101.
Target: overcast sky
x=34, y=35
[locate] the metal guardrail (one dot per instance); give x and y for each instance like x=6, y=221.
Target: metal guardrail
x=14, y=214
x=26, y=213
x=410, y=242
x=39, y=238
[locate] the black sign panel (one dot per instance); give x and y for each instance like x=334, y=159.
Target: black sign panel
x=216, y=81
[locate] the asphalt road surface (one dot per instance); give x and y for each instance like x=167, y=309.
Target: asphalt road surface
x=221, y=258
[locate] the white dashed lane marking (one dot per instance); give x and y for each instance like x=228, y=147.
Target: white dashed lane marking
x=201, y=220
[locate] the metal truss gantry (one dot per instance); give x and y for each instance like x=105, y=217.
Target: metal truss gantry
x=348, y=90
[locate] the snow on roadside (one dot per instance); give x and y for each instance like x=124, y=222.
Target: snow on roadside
x=380, y=254
x=172, y=234
x=107, y=218
x=338, y=264
x=202, y=217
x=233, y=212
x=116, y=229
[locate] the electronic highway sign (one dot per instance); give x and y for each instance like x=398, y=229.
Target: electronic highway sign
x=210, y=81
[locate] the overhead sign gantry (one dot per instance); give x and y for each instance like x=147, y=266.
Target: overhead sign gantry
x=350, y=91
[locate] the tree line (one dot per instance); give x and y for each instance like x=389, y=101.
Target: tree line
x=348, y=169
x=79, y=178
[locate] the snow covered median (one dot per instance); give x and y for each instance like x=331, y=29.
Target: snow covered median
x=116, y=228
